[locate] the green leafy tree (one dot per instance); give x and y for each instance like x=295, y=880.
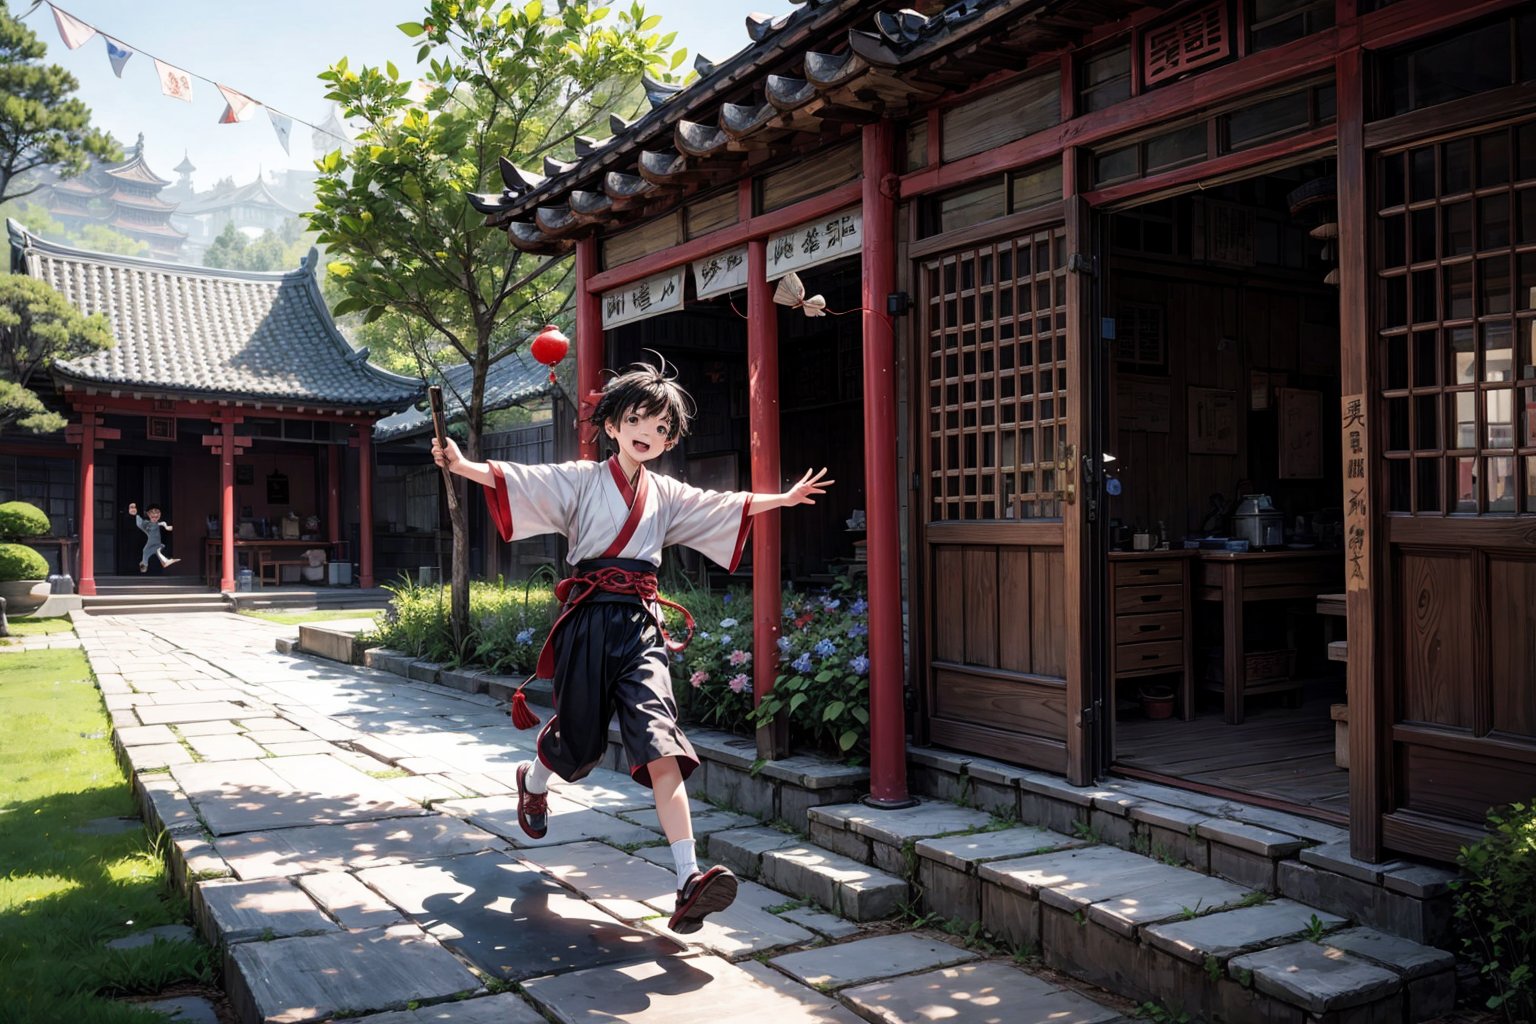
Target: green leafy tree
x=41, y=123
x=232, y=250
x=227, y=250
x=95, y=237
x=497, y=79
x=37, y=327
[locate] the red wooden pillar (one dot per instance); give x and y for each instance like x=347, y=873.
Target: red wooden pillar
x=589, y=345
x=763, y=406
x=365, y=501
x=89, y=434
x=887, y=725
x=226, y=446
x=333, y=494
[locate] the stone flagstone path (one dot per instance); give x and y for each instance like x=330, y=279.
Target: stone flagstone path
x=350, y=842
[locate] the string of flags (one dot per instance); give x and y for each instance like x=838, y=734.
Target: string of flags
x=176, y=82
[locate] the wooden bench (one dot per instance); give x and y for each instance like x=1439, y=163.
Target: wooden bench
x=264, y=561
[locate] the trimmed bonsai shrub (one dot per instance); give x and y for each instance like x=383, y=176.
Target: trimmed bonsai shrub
x=19, y=520
x=19, y=562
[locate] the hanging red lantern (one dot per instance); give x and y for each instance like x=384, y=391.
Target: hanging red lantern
x=549, y=347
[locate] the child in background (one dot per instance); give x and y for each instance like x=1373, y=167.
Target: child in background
x=153, y=545
x=609, y=648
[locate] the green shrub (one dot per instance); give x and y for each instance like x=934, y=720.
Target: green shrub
x=19, y=562
x=507, y=623
x=20, y=520
x=1496, y=910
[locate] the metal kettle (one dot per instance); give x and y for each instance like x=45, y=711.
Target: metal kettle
x=1257, y=521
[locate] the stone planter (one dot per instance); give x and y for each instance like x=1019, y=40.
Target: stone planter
x=23, y=596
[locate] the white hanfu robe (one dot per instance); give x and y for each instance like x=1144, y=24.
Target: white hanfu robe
x=602, y=657
x=589, y=503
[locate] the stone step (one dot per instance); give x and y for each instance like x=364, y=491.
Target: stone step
x=797, y=868
x=145, y=605
x=334, y=639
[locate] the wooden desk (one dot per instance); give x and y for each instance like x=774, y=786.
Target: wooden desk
x=213, y=552
x=1237, y=579
x=1149, y=606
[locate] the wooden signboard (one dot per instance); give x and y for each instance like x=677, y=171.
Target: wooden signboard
x=1357, y=522
x=1301, y=424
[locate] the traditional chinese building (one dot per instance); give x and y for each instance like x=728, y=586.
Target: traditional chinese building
x=229, y=399
x=253, y=207
x=1183, y=350
x=124, y=196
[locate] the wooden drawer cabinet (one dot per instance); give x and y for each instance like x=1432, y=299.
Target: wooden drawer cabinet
x=1149, y=595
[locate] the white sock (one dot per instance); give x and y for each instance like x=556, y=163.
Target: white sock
x=687, y=862
x=537, y=779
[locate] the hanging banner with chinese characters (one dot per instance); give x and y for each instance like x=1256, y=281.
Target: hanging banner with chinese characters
x=816, y=242
x=657, y=294
x=1357, y=520
x=721, y=273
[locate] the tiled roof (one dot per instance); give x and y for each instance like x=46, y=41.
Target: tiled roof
x=825, y=68
x=196, y=332
x=514, y=380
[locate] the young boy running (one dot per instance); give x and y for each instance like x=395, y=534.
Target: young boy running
x=608, y=649
x=154, y=547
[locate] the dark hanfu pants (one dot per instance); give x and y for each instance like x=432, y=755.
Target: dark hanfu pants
x=610, y=657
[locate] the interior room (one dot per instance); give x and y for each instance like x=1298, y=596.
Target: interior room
x=1224, y=491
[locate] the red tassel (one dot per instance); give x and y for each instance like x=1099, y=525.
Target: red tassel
x=522, y=715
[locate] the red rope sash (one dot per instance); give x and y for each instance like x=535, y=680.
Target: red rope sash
x=573, y=590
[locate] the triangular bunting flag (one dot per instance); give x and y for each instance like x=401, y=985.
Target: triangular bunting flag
x=239, y=106
x=174, y=82
x=118, y=54
x=283, y=125
x=72, y=30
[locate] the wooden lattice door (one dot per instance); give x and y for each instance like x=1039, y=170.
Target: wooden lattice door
x=1001, y=407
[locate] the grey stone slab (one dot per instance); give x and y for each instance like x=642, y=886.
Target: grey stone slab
x=149, y=936
x=823, y=1009
x=218, y=727
x=225, y=748
x=568, y=822
x=1421, y=881
x=1064, y=870
x=705, y=822
x=143, y=735
x=158, y=755
x=600, y=872
x=985, y=993
x=821, y=922
x=295, y=748
x=167, y=806
x=809, y=771
x=231, y=911
x=895, y=827
x=1180, y=819
x=1163, y=896
x=509, y=918
x=1236, y=931
x=184, y=1010
x=175, y=714
x=1314, y=977
x=1057, y=788
x=315, y=977
x=1316, y=831
x=866, y=960
x=358, y=844
x=1250, y=838
x=964, y=852
x=504, y=1008
x=246, y=796
x=1336, y=857
x=197, y=860
x=677, y=990
x=351, y=903
x=744, y=928
x=425, y=790
x=845, y=886
x=1410, y=959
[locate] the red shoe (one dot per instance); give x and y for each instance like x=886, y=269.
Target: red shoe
x=702, y=895
x=532, y=808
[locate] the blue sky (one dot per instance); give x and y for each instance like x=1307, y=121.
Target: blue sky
x=272, y=51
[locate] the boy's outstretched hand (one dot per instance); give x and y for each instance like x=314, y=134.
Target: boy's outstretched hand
x=805, y=490
x=446, y=453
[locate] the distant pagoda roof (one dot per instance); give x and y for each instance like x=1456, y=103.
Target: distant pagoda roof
x=255, y=193
x=219, y=335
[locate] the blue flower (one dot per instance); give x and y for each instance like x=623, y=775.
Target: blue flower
x=830, y=603
x=703, y=635
x=727, y=623
x=857, y=630
x=784, y=644
x=859, y=606
x=525, y=636
x=825, y=648
x=859, y=664
x=727, y=599
x=802, y=663
x=725, y=641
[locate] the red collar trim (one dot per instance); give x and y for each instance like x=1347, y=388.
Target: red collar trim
x=622, y=481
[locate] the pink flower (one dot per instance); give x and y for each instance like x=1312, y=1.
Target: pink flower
x=740, y=657
x=699, y=678
x=740, y=683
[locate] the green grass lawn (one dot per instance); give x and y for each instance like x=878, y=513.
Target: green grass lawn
x=39, y=627
x=64, y=893
x=316, y=615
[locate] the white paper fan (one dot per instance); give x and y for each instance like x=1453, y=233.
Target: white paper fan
x=791, y=292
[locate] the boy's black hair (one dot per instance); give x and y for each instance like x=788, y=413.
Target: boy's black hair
x=153, y=508
x=648, y=389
